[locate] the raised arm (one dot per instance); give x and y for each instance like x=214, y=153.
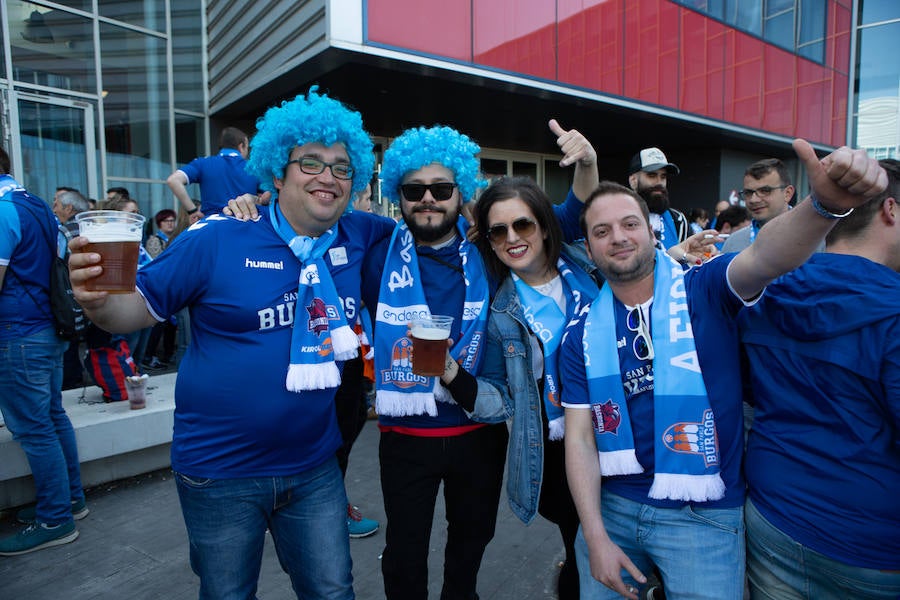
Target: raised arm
x=840, y=182
x=177, y=182
x=578, y=150
x=116, y=313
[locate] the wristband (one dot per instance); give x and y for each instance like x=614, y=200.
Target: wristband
x=824, y=212
x=193, y=210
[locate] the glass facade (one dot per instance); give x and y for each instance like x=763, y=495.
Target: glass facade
x=123, y=108
x=877, y=86
x=796, y=25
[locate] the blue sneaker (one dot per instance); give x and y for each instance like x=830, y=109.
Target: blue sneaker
x=79, y=511
x=358, y=525
x=37, y=537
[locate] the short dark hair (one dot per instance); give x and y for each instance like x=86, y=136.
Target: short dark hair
x=761, y=168
x=609, y=188
x=231, y=137
x=120, y=192
x=733, y=215
x=697, y=213
x=64, y=188
x=524, y=188
x=5, y=164
x=853, y=225
x=166, y=213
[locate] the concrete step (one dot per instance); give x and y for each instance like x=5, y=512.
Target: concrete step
x=114, y=441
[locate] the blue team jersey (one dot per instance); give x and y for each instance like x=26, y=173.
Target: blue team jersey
x=221, y=178
x=713, y=307
x=27, y=239
x=233, y=415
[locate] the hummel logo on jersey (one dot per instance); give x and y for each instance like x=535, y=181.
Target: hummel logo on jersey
x=264, y=264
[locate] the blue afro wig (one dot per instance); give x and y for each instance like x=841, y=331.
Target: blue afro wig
x=417, y=148
x=303, y=120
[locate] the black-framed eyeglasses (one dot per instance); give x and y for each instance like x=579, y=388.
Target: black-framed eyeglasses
x=642, y=346
x=763, y=192
x=313, y=166
x=416, y=191
x=523, y=226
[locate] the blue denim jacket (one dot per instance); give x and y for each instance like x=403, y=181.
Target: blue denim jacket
x=507, y=390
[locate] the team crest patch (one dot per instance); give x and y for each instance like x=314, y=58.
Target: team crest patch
x=695, y=438
x=606, y=417
x=319, y=315
x=399, y=373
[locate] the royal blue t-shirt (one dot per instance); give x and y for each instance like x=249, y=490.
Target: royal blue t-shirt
x=27, y=239
x=234, y=416
x=221, y=178
x=713, y=307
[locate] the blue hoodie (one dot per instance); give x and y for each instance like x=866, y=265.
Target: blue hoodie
x=823, y=459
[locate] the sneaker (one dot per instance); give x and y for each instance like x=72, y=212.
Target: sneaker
x=359, y=526
x=37, y=537
x=79, y=511
x=154, y=364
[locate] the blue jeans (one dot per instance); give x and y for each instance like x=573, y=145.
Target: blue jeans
x=699, y=551
x=306, y=513
x=780, y=568
x=31, y=371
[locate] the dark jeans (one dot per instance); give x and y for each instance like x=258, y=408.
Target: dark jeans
x=412, y=469
x=350, y=405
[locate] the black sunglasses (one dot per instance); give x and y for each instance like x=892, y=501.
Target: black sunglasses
x=523, y=226
x=416, y=191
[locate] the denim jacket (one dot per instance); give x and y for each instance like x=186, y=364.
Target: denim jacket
x=507, y=390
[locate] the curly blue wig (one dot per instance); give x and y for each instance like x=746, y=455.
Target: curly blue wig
x=417, y=148
x=303, y=120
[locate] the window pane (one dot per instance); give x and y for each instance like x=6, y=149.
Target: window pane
x=143, y=13
x=187, y=55
x=85, y=5
x=814, y=51
x=744, y=14
x=780, y=30
x=188, y=139
x=877, y=76
x=51, y=47
x=525, y=169
x=136, y=104
x=876, y=11
x=773, y=7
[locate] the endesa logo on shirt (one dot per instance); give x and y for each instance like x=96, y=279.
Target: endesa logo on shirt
x=695, y=438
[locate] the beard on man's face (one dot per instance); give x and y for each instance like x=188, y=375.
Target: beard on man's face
x=656, y=197
x=441, y=221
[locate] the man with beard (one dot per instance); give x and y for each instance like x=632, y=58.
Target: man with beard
x=652, y=380
x=430, y=267
x=648, y=173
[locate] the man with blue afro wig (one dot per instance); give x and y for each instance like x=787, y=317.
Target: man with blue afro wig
x=419, y=147
x=311, y=118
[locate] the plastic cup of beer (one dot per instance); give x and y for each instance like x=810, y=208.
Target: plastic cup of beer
x=116, y=236
x=429, y=337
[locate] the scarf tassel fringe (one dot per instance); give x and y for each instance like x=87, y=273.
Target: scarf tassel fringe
x=318, y=376
x=688, y=488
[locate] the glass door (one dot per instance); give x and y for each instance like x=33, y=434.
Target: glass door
x=54, y=145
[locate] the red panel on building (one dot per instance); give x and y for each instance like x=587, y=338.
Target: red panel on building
x=654, y=51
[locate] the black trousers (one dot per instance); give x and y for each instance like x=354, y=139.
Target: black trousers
x=556, y=505
x=350, y=406
x=412, y=469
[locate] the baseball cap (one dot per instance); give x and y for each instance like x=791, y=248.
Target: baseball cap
x=651, y=159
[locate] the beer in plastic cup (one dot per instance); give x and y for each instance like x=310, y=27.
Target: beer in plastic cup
x=429, y=337
x=116, y=236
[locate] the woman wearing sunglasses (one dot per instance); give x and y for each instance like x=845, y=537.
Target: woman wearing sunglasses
x=543, y=283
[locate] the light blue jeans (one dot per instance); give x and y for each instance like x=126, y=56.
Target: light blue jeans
x=31, y=371
x=306, y=514
x=781, y=569
x=699, y=551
